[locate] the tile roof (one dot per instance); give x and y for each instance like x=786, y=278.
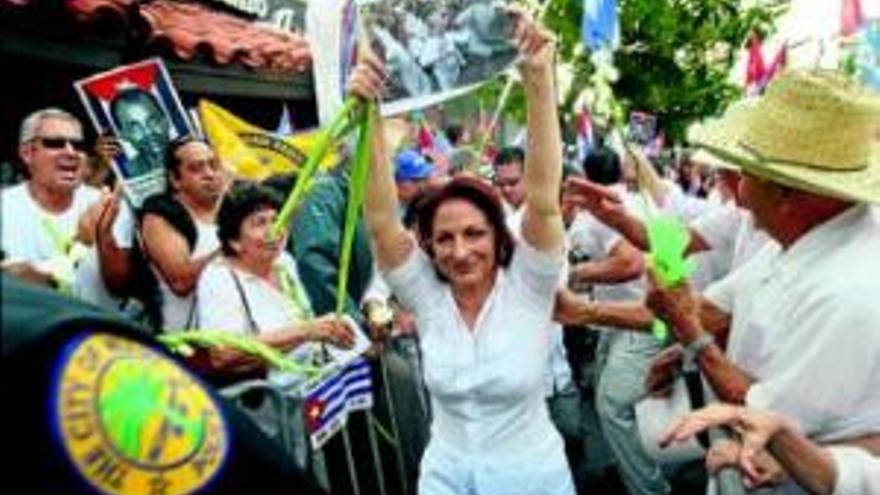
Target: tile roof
x=188, y=29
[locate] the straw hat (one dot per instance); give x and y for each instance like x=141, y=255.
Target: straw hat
x=812, y=130
x=704, y=157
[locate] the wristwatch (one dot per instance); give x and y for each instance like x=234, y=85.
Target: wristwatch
x=694, y=348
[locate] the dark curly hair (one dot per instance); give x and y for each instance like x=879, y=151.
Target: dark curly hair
x=242, y=200
x=481, y=196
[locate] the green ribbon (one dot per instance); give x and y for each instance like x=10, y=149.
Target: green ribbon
x=183, y=342
x=668, y=239
x=325, y=139
x=356, y=193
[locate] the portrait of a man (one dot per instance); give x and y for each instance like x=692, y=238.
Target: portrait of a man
x=143, y=129
x=137, y=104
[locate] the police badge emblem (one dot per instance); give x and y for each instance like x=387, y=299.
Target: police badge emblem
x=131, y=420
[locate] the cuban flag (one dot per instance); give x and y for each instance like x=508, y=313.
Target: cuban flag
x=585, y=141
x=599, y=25
x=851, y=18
x=329, y=402
x=758, y=73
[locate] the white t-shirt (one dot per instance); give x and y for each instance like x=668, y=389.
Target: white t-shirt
x=88, y=284
x=178, y=311
x=491, y=432
x=731, y=232
x=26, y=229
x=804, y=325
x=858, y=472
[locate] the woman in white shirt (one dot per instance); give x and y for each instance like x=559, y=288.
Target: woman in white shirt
x=482, y=301
x=254, y=287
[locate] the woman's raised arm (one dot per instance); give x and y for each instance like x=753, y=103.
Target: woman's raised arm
x=392, y=243
x=542, y=224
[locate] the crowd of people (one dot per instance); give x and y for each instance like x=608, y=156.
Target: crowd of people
x=521, y=301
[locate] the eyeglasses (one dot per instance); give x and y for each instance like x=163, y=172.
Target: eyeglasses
x=57, y=143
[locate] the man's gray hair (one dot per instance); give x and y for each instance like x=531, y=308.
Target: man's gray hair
x=31, y=122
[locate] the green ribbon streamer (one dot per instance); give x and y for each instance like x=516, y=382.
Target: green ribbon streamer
x=182, y=343
x=668, y=239
x=327, y=137
x=356, y=193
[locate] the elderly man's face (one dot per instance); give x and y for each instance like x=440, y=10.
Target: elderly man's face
x=54, y=157
x=763, y=199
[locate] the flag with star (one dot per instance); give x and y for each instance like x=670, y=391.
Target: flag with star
x=329, y=402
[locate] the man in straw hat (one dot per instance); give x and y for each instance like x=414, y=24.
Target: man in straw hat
x=802, y=331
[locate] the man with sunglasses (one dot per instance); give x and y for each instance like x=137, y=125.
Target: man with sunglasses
x=45, y=217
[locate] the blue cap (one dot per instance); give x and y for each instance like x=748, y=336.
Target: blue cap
x=410, y=165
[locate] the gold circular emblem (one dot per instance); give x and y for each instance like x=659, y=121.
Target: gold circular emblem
x=133, y=421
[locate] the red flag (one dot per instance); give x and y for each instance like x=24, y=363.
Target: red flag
x=778, y=63
x=755, y=69
x=426, y=138
x=142, y=76
x=850, y=17
x=584, y=126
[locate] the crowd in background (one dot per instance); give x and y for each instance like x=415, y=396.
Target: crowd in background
x=200, y=256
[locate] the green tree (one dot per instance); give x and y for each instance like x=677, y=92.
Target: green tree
x=674, y=59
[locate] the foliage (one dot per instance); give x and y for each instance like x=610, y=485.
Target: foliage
x=674, y=60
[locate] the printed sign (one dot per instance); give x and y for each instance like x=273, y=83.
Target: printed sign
x=138, y=104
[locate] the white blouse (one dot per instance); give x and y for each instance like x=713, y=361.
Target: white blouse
x=220, y=306
x=491, y=433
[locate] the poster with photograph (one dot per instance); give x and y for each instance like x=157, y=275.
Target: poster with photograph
x=642, y=127
x=138, y=105
x=437, y=49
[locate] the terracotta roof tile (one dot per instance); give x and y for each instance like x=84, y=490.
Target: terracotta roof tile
x=91, y=10
x=188, y=29
x=192, y=28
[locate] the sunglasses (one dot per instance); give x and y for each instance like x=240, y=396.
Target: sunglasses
x=57, y=143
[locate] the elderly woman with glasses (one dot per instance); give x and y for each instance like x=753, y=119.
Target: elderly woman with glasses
x=482, y=301
x=254, y=288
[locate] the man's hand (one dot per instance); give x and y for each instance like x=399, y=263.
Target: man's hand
x=755, y=429
x=715, y=414
x=88, y=221
x=663, y=371
x=107, y=148
x=379, y=318
x=677, y=306
x=602, y=202
x=572, y=309
x=26, y=271
x=109, y=211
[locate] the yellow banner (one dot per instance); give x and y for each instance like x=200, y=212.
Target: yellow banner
x=251, y=152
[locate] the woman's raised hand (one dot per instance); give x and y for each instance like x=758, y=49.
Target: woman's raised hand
x=368, y=79
x=536, y=45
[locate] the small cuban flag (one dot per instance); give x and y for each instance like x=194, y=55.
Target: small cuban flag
x=329, y=402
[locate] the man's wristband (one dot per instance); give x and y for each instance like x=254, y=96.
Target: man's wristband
x=693, y=349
